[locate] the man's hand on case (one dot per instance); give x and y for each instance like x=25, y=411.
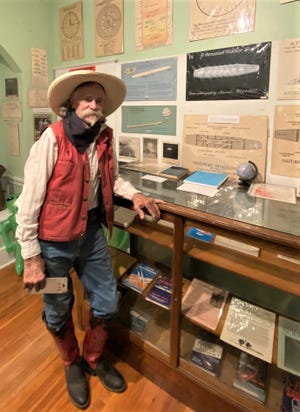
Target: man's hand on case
x=141, y=201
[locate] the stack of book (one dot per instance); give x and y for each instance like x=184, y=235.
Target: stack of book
x=174, y=172
x=203, y=182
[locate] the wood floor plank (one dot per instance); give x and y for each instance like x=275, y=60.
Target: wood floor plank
x=32, y=374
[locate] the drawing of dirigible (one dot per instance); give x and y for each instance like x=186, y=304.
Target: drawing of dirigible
x=225, y=70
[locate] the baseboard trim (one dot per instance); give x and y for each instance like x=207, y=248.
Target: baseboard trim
x=5, y=258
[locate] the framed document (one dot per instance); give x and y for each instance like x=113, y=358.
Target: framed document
x=71, y=32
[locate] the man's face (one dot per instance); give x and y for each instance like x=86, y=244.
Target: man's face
x=88, y=101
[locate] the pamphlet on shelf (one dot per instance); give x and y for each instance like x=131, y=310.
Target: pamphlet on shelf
x=290, y=401
x=199, y=234
x=237, y=245
x=207, y=352
x=203, y=303
x=251, y=376
x=205, y=178
x=249, y=328
x=140, y=277
x=288, y=356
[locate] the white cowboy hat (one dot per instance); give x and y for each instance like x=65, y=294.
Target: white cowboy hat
x=62, y=87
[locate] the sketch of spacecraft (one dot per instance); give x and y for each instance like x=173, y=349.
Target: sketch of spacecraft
x=296, y=80
x=292, y=135
x=223, y=142
x=225, y=70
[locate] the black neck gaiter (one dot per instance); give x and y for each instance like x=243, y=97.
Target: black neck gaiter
x=79, y=133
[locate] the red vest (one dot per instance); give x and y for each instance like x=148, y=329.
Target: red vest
x=64, y=212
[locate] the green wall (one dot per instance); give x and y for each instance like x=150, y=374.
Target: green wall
x=35, y=23
x=24, y=24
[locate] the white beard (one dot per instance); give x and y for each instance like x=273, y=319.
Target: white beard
x=91, y=119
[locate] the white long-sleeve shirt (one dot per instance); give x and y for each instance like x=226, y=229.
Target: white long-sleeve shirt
x=37, y=172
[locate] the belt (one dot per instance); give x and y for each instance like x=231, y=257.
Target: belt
x=94, y=212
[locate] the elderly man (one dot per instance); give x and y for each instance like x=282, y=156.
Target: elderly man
x=69, y=181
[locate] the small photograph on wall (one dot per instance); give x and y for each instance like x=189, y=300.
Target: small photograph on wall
x=233, y=73
x=11, y=87
x=149, y=148
x=129, y=148
x=170, y=152
x=40, y=122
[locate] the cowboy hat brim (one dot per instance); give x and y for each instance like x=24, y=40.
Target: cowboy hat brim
x=61, y=88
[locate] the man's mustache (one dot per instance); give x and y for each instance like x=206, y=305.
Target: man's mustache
x=98, y=113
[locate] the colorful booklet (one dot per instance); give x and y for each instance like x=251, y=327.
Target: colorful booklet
x=204, y=178
x=290, y=401
x=161, y=291
x=203, y=303
x=251, y=376
x=140, y=277
x=207, y=352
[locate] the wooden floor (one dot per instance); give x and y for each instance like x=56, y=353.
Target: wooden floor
x=31, y=371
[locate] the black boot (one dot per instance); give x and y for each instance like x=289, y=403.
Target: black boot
x=110, y=377
x=76, y=380
x=93, y=348
x=77, y=385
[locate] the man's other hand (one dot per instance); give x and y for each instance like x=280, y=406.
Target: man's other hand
x=33, y=275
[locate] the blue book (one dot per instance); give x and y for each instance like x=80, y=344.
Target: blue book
x=208, y=179
x=161, y=292
x=207, y=352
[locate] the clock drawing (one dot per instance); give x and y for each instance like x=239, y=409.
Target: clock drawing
x=108, y=21
x=70, y=25
x=217, y=8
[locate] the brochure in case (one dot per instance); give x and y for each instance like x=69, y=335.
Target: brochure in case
x=203, y=304
x=288, y=356
x=250, y=328
x=251, y=376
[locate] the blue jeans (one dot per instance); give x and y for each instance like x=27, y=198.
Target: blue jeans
x=92, y=262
